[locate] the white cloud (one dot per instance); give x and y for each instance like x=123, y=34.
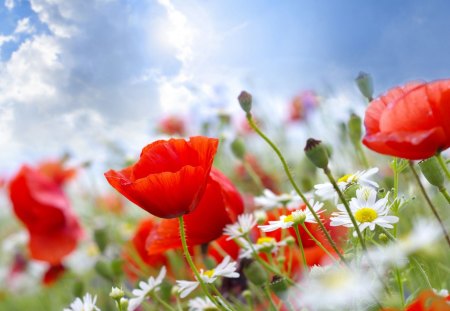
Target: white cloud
x=24, y=26
x=9, y=4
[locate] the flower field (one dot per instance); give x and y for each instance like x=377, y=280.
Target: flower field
x=242, y=214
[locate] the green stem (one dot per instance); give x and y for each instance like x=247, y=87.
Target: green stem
x=445, y=193
x=269, y=296
x=191, y=263
x=293, y=183
x=398, y=278
x=443, y=165
x=300, y=244
x=397, y=271
x=255, y=178
x=414, y=260
x=347, y=207
x=396, y=176
x=362, y=155
x=430, y=204
x=318, y=243
x=222, y=299
x=422, y=272
x=262, y=262
x=162, y=302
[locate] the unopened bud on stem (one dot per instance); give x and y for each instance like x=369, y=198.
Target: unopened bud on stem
x=365, y=85
x=432, y=171
x=316, y=153
x=245, y=100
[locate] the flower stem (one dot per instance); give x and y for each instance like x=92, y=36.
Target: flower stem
x=262, y=262
x=253, y=175
x=162, y=302
x=192, y=265
x=445, y=193
x=294, y=185
x=427, y=198
x=269, y=296
x=300, y=244
x=347, y=207
x=222, y=299
x=318, y=243
x=443, y=165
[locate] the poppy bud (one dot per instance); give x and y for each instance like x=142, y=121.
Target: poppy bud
x=365, y=85
x=317, y=153
x=238, y=148
x=354, y=129
x=255, y=273
x=101, y=238
x=279, y=286
x=245, y=100
x=432, y=172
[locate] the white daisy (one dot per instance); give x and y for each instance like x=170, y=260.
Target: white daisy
x=243, y=226
x=263, y=244
x=270, y=200
x=338, y=288
x=85, y=304
x=226, y=269
x=146, y=288
x=296, y=217
x=327, y=192
x=201, y=304
x=368, y=212
x=424, y=235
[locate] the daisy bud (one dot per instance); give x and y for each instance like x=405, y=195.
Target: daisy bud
x=290, y=241
x=247, y=294
x=123, y=303
x=245, y=100
x=355, y=129
x=365, y=85
x=261, y=217
x=281, y=259
x=298, y=217
x=383, y=238
x=317, y=153
x=238, y=148
x=255, y=273
x=116, y=293
x=174, y=291
x=432, y=172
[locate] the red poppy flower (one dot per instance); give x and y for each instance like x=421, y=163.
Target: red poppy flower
x=222, y=248
x=170, y=177
x=172, y=125
x=411, y=122
x=138, y=243
x=44, y=209
x=55, y=170
x=427, y=301
x=53, y=273
x=219, y=206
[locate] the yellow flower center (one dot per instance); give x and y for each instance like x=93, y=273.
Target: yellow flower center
x=289, y=218
x=347, y=178
x=366, y=214
x=209, y=273
x=265, y=239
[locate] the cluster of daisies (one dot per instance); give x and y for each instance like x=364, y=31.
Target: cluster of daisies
x=333, y=285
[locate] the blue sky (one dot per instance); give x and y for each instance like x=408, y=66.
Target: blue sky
x=75, y=75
